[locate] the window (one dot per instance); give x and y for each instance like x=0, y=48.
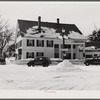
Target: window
x=49, y=43
x=30, y=42
x=74, y=46
x=19, y=51
x=40, y=43
x=66, y=46
x=39, y=54
x=74, y=56
x=56, y=45
x=56, y=55
x=83, y=54
x=19, y=44
x=30, y=55
x=95, y=55
x=89, y=56
x=69, y=56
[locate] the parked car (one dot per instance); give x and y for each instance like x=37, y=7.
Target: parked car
x=92, y=61
x=2, y=61
x=44, y=61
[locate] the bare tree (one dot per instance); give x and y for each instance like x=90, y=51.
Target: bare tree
x=5, y=35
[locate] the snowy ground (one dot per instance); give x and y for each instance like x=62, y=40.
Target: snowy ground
x=21, y=77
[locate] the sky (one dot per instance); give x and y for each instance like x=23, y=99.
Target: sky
x=85, y=15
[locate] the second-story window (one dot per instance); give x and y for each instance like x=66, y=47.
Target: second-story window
x=40, y=43
x=49, y=43
x=19, y=44
x=30, y=42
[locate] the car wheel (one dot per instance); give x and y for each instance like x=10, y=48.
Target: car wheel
x=45, y=65
x=29, y=65
x=33, y=65
x=87, y=64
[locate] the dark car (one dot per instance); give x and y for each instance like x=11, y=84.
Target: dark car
x=44, y=61
x=92, y=61
x=2, y=61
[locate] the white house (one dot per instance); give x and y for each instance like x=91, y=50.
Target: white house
x=37, y=38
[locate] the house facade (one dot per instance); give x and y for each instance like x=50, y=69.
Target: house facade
x=37, y=38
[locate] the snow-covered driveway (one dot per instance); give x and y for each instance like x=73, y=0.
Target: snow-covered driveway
x=21, y=77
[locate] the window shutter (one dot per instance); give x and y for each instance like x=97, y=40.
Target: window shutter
x=27, y=42
x=32, y=54
x=37, y=54
x=42, y=43
x=21, y=43
x=42, y=54
x=47, y=43
x=37, y=42
x=27, y=55
x=52, y=43
x=33, y=42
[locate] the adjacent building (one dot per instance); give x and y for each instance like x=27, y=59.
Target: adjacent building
x=92, y=49
x=53, y=40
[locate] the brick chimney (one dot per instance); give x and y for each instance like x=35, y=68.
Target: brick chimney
x=39, y=24
x=58, y=21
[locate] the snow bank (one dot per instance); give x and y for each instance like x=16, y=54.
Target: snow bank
x=9, y=60
x=64, y=66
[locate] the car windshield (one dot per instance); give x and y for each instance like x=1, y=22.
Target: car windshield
x=47, y=58
x=36, y=58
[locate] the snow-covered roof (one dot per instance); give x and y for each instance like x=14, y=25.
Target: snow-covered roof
x=50, y=30
x=51, y=33
x=75, y=35
x=90, y=48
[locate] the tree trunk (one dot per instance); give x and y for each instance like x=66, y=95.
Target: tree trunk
x=2, y=55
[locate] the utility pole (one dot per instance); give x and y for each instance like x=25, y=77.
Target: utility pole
x=63, y=32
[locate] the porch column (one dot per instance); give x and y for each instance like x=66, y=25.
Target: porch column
x=71, y=51
x=77, y=52
x=84, y=50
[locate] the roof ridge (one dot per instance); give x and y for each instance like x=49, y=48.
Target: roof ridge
x=45, y=22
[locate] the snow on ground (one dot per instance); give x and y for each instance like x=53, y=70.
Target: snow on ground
x=21, y=77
